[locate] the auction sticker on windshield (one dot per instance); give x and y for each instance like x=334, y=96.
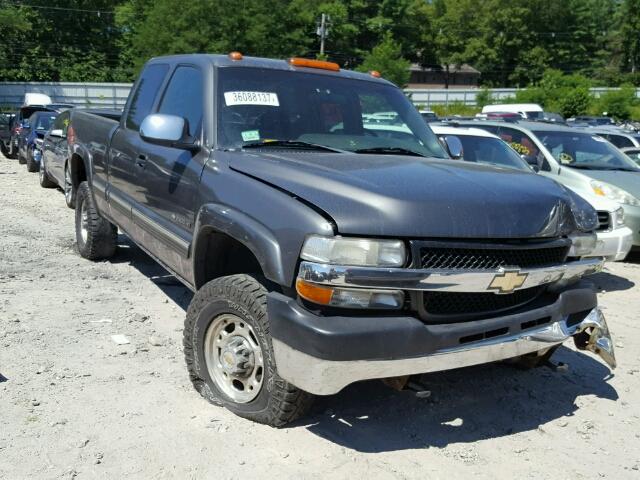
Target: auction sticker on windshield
x=251, y=98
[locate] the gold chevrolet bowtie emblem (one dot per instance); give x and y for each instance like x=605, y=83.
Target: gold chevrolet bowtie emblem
x=507, y=281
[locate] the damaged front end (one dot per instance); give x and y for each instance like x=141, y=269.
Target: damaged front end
x=593, y=335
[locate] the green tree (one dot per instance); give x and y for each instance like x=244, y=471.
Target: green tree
x=629, y=33
x=386, y=58
x=617, y=103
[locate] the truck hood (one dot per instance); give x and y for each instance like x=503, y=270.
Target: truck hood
x=402, y=196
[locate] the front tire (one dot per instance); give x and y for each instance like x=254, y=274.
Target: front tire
x=229, y=354
x=96, y=237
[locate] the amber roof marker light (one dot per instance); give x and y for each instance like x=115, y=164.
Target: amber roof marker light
x=375, y=73
x=235, y=56
x=308, y=63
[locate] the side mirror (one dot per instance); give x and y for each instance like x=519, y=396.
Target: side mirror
x=56, y=133
x=167, y=130
x=453, y=146
x=25, y=124
x=532, y=160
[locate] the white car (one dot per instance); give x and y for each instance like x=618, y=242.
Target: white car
x=525, y=110
x=614, y=239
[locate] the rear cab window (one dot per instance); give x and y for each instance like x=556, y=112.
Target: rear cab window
x=183, y=97
x=145, y=94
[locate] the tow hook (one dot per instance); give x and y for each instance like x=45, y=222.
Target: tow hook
x=593, y=335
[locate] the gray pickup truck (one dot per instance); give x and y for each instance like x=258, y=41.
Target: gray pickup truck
x=323, y=252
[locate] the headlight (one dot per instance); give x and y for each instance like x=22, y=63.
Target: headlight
x=618, y=218
x=354, y=251
x=582, y=244
x=584, y=214
x=614, y=193
x=350, y=297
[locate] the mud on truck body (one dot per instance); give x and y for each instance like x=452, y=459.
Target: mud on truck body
x=321, y=252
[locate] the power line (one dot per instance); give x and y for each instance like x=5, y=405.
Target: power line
x=64, y=9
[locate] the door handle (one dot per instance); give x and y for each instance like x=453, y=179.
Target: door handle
x=141, y=161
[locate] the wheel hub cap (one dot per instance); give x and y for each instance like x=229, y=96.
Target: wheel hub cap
x=234, y=358
x=84, y=222
x=237, y=357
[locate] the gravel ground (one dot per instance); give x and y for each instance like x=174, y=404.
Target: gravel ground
x=74, y=404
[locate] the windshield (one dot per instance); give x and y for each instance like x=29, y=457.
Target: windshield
x=582, y=150
x=534, y=115
x=257, y=105
x=491, y=151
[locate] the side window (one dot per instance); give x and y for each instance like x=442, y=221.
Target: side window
x=620, y=141
x=61, y=123
x=142, y=101
x=524, y=145
x=183, y=97
x=520, y=142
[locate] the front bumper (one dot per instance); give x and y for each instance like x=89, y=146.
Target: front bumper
x=322, y=355
x=613, y=245
x=632, y=220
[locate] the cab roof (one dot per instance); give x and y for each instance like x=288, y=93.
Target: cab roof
x=205, y=59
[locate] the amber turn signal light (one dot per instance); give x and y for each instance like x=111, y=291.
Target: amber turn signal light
x=306, y=62
x=314, y=293
x=235, y=56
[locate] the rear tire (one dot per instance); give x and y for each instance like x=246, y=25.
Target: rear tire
x=43, y=176
x=96, y=237
x=227, y=323
x=11, y=153
x=21, y=159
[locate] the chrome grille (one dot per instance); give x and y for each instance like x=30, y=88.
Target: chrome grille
x=604, y=221
x=453, y=303
x=490, y=259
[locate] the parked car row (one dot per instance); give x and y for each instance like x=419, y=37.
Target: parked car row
x=328, y=234
x=22, y=132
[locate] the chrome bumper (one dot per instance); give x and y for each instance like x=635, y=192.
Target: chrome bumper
x=327, y=377
x=444, y=280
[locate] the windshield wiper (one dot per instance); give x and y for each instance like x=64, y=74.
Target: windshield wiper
x=294, y=144
x=604, y=167
x=584, y=167
x=389, y=151
x=625, y=169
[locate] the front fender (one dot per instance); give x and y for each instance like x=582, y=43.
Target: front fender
x=246, y=230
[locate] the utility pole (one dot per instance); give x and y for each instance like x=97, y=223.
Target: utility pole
x=323, y=31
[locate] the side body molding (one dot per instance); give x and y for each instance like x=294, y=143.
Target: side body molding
x=248, y=231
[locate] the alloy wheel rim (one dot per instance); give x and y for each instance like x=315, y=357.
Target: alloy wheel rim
x=84, y=222
x=234, y=358
x=67, y=185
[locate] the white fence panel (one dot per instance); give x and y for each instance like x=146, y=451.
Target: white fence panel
x=107, y=95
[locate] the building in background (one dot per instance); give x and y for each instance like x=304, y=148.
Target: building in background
x=458, y=76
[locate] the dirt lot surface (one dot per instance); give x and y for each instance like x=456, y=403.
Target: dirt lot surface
x=74, y=404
